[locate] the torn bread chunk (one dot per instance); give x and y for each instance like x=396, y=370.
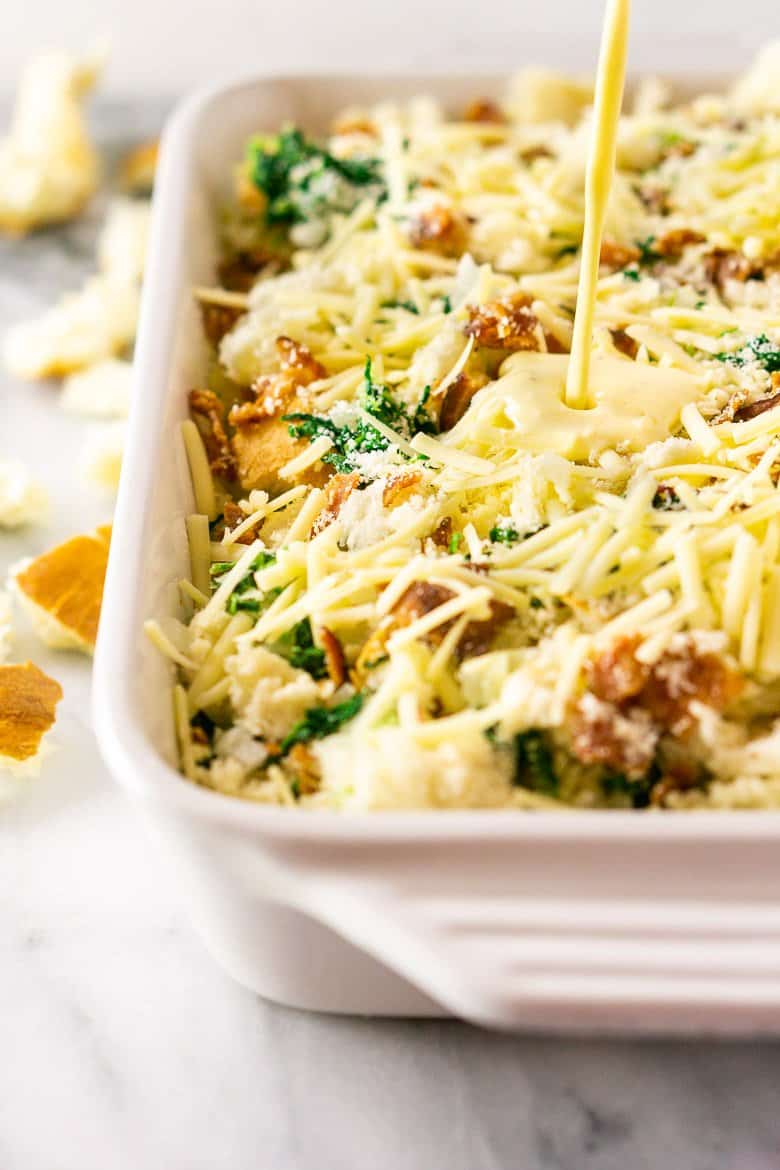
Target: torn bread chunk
x=263, y=447
x=49, y=167
x=100, y=391
x=62, y=590
x=262, y=442
x=22, y=499
x=28, y=705
x=83, y=328
x=103, y=451
x=123, y=241
x=98, y=321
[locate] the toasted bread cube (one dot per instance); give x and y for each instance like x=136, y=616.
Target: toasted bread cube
x=264, y=446
x=62, y=590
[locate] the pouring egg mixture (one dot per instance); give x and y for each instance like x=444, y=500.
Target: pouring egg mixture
x=431, y=566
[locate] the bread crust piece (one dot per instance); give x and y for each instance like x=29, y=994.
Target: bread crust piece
x=63, y=590
x=28, y=703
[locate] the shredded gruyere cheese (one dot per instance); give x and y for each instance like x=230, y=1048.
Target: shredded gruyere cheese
x=433, y=582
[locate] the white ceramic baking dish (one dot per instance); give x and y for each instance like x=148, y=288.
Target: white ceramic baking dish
x=589, y=921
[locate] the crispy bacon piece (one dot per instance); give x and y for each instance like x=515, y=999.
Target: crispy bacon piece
x=232, y=516
x=218, y=320
x=442, y=533
x=616, y=256
x=754, y=409
x=484, y=110
x=296, y=358
x=477, y=638
x=623, y=343
x=682, y=676
x=631, y=704
x=604, y=734
x=400, y=487
x=724, y=264
x=209, y=415
x=258, y=410
x=420, y=598
x=654, y=199
x=508, y=324
x=672, y=244
x=335, y=660
x=438, y=229
x=239, y=272
x=423, y=597
x=457, y=398
x=298, y=368
x=340, y=488
x=553, y=344
x=615, y=675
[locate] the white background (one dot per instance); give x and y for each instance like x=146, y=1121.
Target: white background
x=168, y=45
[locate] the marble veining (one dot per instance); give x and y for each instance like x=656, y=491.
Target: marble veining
x=124, y=1047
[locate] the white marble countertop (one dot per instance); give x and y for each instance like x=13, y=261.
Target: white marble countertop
x=124, y=1047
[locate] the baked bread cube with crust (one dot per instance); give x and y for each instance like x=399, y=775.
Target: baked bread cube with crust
x=62, y=590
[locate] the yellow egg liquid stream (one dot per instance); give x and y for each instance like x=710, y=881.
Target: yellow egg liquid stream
x=610, y=81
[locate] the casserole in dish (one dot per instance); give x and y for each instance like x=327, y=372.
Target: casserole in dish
x=594, y=921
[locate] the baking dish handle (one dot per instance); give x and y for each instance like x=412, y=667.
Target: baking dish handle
x=519, y=961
